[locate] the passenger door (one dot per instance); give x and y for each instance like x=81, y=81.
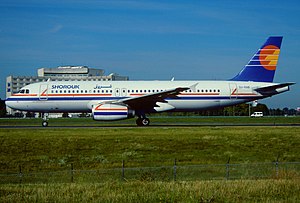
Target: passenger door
x=43, y=93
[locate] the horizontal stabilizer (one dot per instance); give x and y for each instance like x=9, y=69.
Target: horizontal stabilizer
x=274, y=89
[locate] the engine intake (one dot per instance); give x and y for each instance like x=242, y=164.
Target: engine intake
x=111, y=112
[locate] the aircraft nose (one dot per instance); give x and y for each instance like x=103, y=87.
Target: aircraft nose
x=12, y=104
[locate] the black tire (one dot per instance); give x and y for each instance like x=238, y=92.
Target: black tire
x=145, y=121
x=138, y=122
x=44, y=123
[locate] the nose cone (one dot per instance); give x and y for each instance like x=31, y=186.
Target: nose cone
x=13, y=104
x=10, y=104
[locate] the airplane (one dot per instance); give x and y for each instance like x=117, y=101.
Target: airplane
x=117, y=100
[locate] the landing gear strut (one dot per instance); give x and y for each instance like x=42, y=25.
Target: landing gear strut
x=45, y=120
x=143, y=121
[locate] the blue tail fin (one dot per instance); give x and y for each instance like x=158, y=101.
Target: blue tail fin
x=262, y=66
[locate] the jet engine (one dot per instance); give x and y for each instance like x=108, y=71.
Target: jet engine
x=111, y=112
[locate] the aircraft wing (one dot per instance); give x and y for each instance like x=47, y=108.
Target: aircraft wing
x=148, y=102
x=274, y=89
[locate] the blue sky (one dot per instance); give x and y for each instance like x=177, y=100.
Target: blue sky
x=150, y=40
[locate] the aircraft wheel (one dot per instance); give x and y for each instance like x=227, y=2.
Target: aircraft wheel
x=143, y=121
x=44, y=123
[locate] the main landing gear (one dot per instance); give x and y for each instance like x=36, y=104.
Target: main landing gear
x=45, y=119
x=142, y=121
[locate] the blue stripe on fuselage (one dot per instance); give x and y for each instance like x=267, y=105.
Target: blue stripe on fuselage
x=118, y=98
x=109, y=113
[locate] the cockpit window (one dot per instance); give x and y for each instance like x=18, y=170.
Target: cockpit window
x=24, y=91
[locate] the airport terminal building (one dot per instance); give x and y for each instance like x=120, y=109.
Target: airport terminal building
x=61, y=73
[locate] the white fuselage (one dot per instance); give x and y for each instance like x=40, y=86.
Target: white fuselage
x=81, y=96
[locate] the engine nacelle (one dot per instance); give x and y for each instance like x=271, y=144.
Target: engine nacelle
x=111, y=112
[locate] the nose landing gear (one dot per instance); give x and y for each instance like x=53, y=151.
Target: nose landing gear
x=45, y=119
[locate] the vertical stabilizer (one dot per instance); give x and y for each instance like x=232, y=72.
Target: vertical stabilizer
x=262, y=66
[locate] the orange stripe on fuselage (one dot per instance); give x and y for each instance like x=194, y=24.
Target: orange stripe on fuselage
x=64, y=95
x=24, y=95
x=199, y=94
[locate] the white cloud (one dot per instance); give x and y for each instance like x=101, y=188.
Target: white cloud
x=56, y=28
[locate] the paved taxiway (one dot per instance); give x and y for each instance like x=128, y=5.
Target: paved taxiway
x=157, y=125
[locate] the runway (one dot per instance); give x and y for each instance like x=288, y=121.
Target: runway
x=158, y=125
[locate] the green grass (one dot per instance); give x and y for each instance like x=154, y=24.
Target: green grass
x=93, y=148
x=155, y=120
x=136, y=191
x=40, y=150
